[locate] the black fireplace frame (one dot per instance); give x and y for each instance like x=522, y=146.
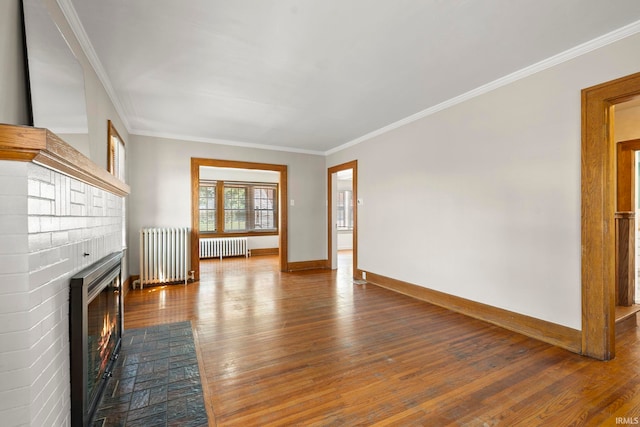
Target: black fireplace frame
x=84, y=287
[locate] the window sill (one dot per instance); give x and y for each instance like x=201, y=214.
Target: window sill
x=245, y=234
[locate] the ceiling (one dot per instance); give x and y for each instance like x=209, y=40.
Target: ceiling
x=312, y=76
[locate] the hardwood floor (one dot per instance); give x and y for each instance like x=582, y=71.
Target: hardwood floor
x=311, y=348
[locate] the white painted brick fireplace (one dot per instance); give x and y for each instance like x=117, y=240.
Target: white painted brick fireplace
x=51, y=227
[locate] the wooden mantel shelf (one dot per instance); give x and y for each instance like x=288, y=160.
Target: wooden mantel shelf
x=41, y=146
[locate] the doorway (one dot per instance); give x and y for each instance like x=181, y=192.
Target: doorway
x=626, y=134
x=626, y=228
x=342, y=213
x=196, y=164
x=598, y=208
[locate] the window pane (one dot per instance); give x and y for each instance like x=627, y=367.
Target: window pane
x=207, y=206
x=247, y=207
x=235, y=220
x=208, y=220
x=264, y=208
x=344, y=210
x=235, y=208
x=264, y=220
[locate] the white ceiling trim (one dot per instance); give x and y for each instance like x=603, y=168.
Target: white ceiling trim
x=565, y=56
x=78, y=29
x=226, y=142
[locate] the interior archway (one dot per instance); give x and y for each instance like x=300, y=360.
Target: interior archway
x=598, y=177
x=195, y=220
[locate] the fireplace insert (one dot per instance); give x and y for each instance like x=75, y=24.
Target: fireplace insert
x=95, y=330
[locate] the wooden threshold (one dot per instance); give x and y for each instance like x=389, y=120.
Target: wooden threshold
x=623, y=313
x=626, y=318
x=320, y=264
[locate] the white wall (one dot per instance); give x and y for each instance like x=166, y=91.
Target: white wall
x=99, y=105
x=13, y=90
x=345, y=240
x=240, y=175
x=482, y=200
x=160, y=179
x=627, y=124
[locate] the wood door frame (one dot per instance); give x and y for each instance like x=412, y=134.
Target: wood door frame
x=598, y=188
x=626, y=168
x=625, y=221
x=354, y=188
x=283, y=215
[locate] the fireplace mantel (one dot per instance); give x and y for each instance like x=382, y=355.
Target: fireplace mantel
x=41, y=146
x=59, y=213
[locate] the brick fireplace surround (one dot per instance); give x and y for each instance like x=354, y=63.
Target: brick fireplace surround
x=59, y=213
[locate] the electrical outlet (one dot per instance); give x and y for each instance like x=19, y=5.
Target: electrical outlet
x=364, y=275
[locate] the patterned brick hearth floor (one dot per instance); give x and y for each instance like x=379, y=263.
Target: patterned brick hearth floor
x=156, y=381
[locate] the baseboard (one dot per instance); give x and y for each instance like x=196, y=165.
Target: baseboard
x=320, y=264
x=128, y=284
x=552, y=333
x=265, y=251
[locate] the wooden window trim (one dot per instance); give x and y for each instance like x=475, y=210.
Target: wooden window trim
x=250, y=205
x=220, y=209
x=282, y=205
x=209, y=184
x=111, y=149
x=238, y=234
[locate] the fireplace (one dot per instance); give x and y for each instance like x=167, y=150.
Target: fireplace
x=95, y=330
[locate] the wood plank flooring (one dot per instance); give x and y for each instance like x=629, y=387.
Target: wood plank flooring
x=312, y=348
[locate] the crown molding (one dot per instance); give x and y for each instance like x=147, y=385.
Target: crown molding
x=71, y=15
x=545, y=64
x=76, y=25
x=189, y=138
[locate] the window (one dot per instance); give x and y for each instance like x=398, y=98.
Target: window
x=345, y=210
x=115, y=152
x=264, y=208
x=207, y=195
x=235, y=208
x=116, y=165
x=238, y=207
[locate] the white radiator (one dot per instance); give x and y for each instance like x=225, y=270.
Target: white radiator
x=164, y=255
x=214, y=247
